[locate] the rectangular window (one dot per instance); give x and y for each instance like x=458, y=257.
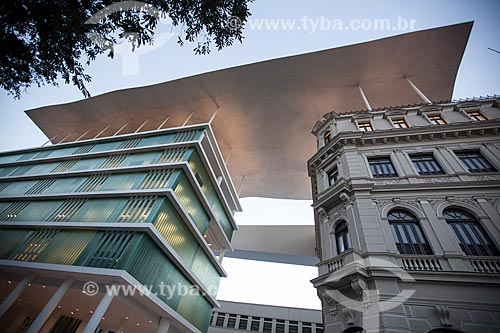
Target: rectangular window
x=293, y=327
x=382, y=167
x=427, y=165
x=231, y=321
x=319, y=328
x=333, y=175
x=475, y=162
x=280, y=326
x=306, y=327
x=220, y=319
x=476, y=115
x=436, y=119
x=255, y=324
x=365, y=126
x=399, y=123
x=243, y=322
x=268, y=325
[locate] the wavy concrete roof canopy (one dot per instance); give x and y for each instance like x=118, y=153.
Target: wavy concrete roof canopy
x=266, y=110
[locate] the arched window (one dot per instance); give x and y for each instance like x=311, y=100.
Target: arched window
x=469, y=233
x=327, y=136
x=342, y=237
x=407, y=233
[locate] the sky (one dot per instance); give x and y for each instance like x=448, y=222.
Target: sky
x=277, y=28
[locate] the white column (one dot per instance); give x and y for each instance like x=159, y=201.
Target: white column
x=365, y=100
x=50, y=306
x=121, y=326
x=222, y=252
x=14, y=294
x=163, y=326
x=98, y=313
x=419, y=93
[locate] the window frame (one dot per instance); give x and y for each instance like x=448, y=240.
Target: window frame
x=397, y=121
x=342, y=237
x=482, y=159
x=436, y=121
x=332, y=172
x=365, y=124
x=408, y=234
x=475, y=117
x=430, y=159
x=373, y=159
x=470, y=234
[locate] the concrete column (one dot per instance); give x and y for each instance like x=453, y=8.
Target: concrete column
x=163, y=326
x=490, y=211
x=51, y=321
x=326, y=247
x=98, y=313
x=442, y=232
x=405, y=164
x=50, y=306
x=85, y=319
x=14, y=294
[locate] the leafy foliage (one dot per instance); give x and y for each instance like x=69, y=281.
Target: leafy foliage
x=42, y=40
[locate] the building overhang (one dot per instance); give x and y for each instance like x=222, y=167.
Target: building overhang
x=262, y=113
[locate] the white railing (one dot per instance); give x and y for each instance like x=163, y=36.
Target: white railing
x=421, y=264
x=485, y=265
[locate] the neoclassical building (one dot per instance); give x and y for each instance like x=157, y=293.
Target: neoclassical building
x=407, y=210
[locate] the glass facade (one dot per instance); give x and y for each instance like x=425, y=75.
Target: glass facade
x=130, y=180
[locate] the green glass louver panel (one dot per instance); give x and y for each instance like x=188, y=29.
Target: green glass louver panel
x=177, y=234
x=158, y=179
x=63, y=151
x=101, y=210
x=65, y=165
x=123, y=181
x=64, y=185
x=189, y=135
x=67, y=210
x=88, y=164
x=18, y=188
x=37, y=210
x=129, y=143
x=137, y=209
x=208, y=189
x=105, y=146
x=66, y=247
x=141, y=159
x=108, y=248
x=4, y=185
x=41, y=168
x=40, y=186
x=156, y=140
x=113, y=161
x=21, y=170
x=191, y=204
x=92, y=183
x=173, y=155
x=133, y=252
x=83, y=149
x=152, y=268
x=42, y=154
x=5, y=171
x=9, y=210
x=9, y=238
x=9, y=158
x=26, y=156
x=30, y=248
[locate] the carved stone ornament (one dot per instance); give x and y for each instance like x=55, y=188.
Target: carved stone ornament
x=443, y=314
